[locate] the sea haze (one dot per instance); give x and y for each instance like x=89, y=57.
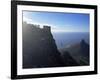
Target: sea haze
x=65, y=39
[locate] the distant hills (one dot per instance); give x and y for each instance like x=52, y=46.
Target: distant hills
x=79, y=52
x=40, y=50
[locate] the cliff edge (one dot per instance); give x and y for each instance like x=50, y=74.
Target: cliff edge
x=39, y=48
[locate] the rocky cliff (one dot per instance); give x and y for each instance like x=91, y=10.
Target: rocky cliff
x=39, y=48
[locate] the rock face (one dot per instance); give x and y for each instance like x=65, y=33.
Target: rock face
x=39, y=48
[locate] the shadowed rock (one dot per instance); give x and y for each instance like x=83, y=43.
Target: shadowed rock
x=39, y=48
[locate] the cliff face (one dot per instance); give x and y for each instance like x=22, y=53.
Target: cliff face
x=39, y=48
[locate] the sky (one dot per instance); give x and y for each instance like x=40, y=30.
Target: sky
x=59, y=21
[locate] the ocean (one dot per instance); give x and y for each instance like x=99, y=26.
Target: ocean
x=65, y=39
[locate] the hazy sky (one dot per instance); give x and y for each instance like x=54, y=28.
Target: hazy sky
x=59, y=22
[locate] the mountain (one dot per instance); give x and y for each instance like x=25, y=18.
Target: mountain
x=79, y=52
x=39, y=48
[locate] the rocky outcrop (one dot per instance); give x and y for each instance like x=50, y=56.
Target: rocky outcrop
x=39, y=48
